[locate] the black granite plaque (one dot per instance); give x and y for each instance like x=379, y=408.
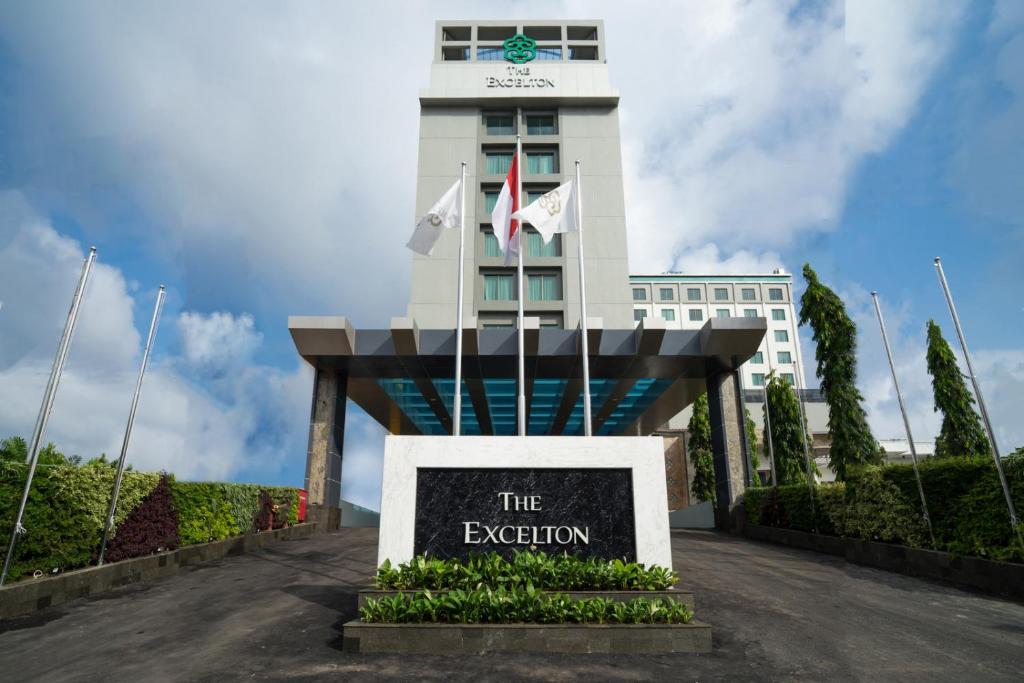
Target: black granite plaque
x=581, y=511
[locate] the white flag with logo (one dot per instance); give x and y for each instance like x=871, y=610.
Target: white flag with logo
x=445, y=214
x=552, y=212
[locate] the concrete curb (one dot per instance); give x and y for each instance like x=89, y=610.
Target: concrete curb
x=685, y=597
x=1000, y=578
x=463, y=639
x=30, y=595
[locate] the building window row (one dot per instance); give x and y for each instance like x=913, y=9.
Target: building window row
x=759, y=377
x=538, y=123
x=538, y=162
x=539, y=287
x=718, y=294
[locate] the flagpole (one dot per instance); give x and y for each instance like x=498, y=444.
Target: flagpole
x=906, y=420
x=1014, y=522
x=457, y=426
x=47, y=405
x=585, y=348
x=131, y=421
x=522, y=247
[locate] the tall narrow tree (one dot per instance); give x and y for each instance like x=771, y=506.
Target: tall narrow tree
x=702, y=483
x=755, y=460
x=787, y=442
x=835, y=337
x=961, y=433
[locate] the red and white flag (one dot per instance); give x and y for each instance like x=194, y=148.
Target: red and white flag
x=506, y=229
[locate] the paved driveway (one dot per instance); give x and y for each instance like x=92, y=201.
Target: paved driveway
x=777, y=613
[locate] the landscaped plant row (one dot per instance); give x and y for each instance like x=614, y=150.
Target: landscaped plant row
x=68, y=504
x=521, y=604
x=545, y=572
x=965, y=502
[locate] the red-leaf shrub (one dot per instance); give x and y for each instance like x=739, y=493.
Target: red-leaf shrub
x=152, y=526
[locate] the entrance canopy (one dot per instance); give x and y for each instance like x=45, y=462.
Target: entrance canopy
x=404, y=377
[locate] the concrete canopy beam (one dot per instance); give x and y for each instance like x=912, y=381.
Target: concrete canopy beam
x=321, y=336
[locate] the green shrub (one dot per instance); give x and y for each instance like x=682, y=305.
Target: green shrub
x=965, y=502
x=68, y=504
x=518, y=605
x=546, y=572
x=65, y=513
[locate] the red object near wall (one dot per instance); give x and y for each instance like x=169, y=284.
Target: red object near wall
x=302, y=505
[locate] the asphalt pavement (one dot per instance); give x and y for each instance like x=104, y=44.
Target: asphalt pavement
x=277, y=614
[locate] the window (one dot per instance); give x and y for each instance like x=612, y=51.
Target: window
x=497, y=326
x=540, y=162
x=693, y=294
x=491, y=247
x=495, y=32
x=758, y=379
x=534, y=195
x=500, y=124
x=639, y=294
x=490, y=199
x=696, y=314
x=544, y=287
x=455, y=54
x=721, y=294
x=749, y=312
x=639, y=314
x=490, y=54
x=581, y=53
x=781, y=336
x=778, y=314
x=543, y=32
x=788, y=377
x=749, y=294
x=551, y=54
x=775, y=294
x=666, y=294
x=540, y=124
x=722, y=313
x=668, y=314
x=757, y=358
x=455, y=33
x=785, y=357
x=498, y=163
x=499, y=287
x=581, y=32
x=535, y=245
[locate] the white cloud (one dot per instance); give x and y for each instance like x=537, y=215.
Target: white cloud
x=744, y=122
x=1000, y=373
x=251, y=423
x=218, y=340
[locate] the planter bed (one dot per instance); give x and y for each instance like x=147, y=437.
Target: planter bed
x=463, y=639
x=684, y=597
x=1000, y=578
x=29, y=595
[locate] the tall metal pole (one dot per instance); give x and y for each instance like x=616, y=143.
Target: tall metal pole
x=523, y=418
x=1014, y=521
x=131, y=421
x=906, y=420
x=588, y=426
x=47, y=405
x=457, y=426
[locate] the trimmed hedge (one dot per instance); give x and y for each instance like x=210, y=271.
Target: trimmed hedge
x=965, y=501
x=67, y=505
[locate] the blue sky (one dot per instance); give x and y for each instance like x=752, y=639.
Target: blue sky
x=259, y=159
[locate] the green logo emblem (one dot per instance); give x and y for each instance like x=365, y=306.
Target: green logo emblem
x=519, y=49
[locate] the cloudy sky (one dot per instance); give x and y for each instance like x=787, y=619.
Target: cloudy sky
x=259, y=159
